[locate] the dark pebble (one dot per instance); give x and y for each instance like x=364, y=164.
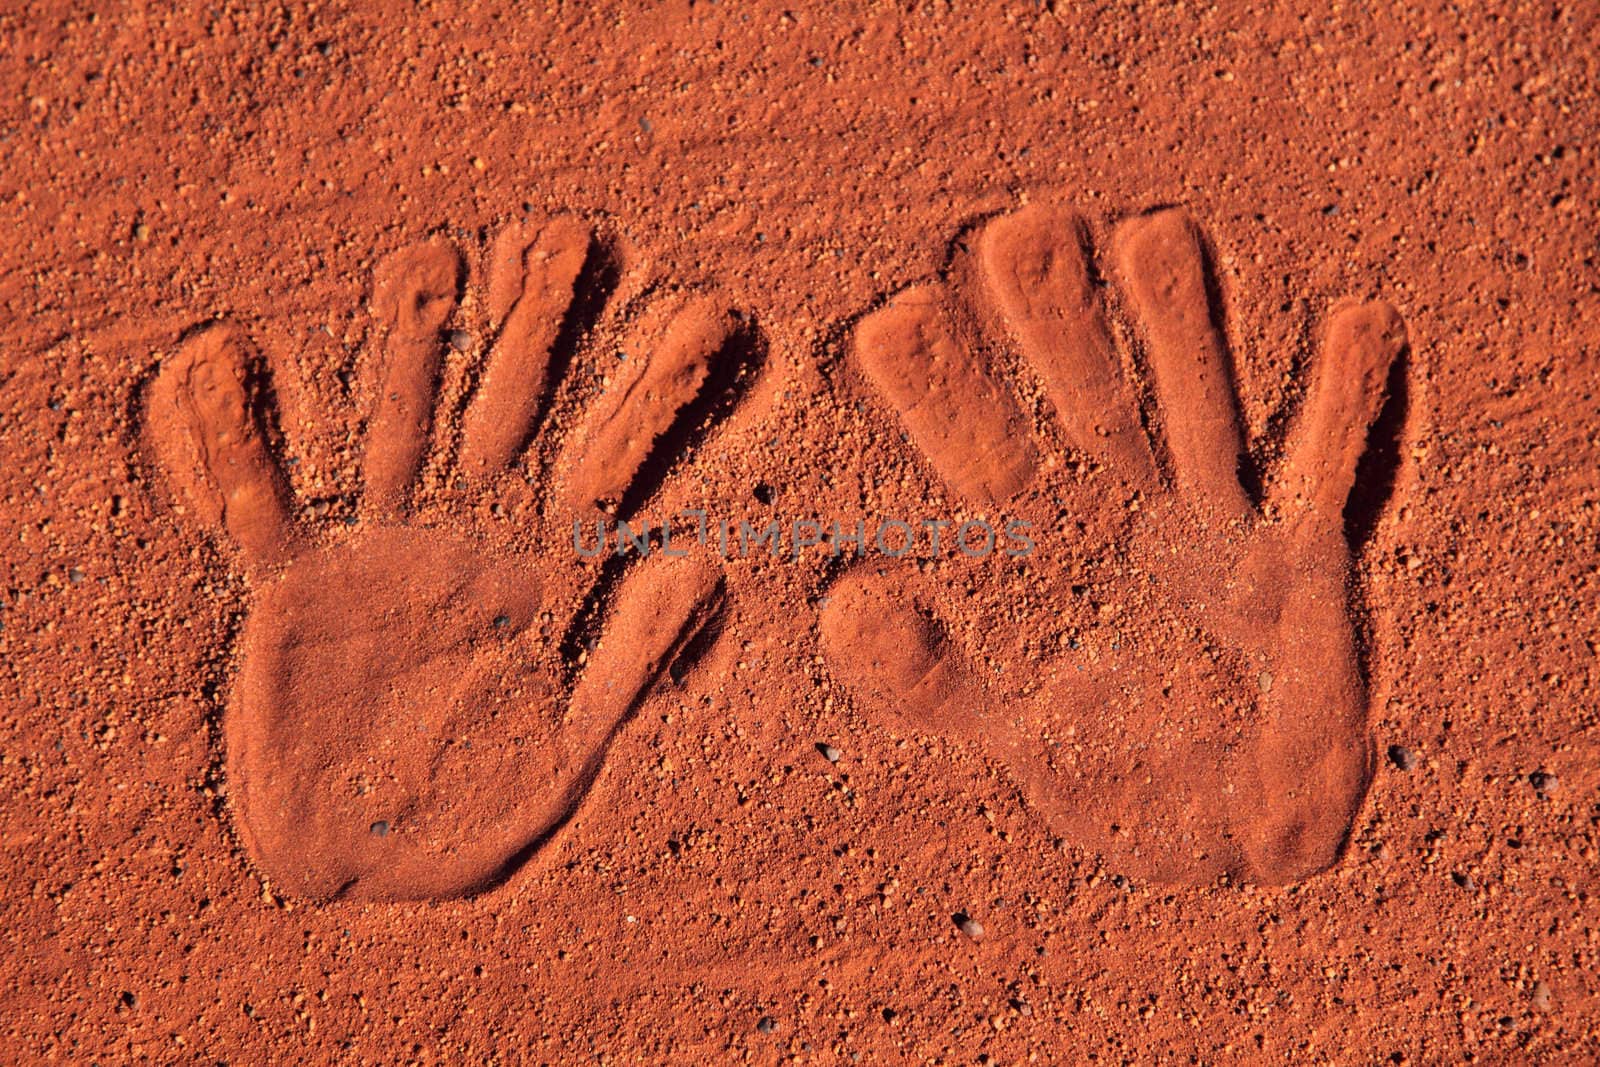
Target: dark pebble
x=1402, y=757
x=502, y=621
x=1545, y=782
x=379, y=829
x=766, y=1025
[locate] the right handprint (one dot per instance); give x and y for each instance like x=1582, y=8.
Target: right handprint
x=1172, y=676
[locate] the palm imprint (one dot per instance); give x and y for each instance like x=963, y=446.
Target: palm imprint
x=404, y=723
x=1173, y=679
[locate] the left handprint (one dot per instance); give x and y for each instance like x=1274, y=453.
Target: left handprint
x=404, y=724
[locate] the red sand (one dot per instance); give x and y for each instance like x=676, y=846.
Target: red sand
x=1274, y=337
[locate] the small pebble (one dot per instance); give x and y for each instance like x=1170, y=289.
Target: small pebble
x=379, y=829
x=1402, y=757
x=1544, y=782
x=766, y=1025
x=502, y=621
x=460, y=340
x=968, y=925
x=1541, y=996
x=829, y=753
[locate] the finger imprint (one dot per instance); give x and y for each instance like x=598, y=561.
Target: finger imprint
x=1036, y=274
x=660, y=610
x=955, y=411
x=1348, y=388
x=1162, y=269
x=879, y=645
x=414, y=293
x=667, y=365
x=532, y=275
x=207, y=435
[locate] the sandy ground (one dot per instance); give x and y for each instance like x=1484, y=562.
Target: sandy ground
x=323, y=740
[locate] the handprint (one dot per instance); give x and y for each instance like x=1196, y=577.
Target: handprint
x=1173, y=679
x=403, y=723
